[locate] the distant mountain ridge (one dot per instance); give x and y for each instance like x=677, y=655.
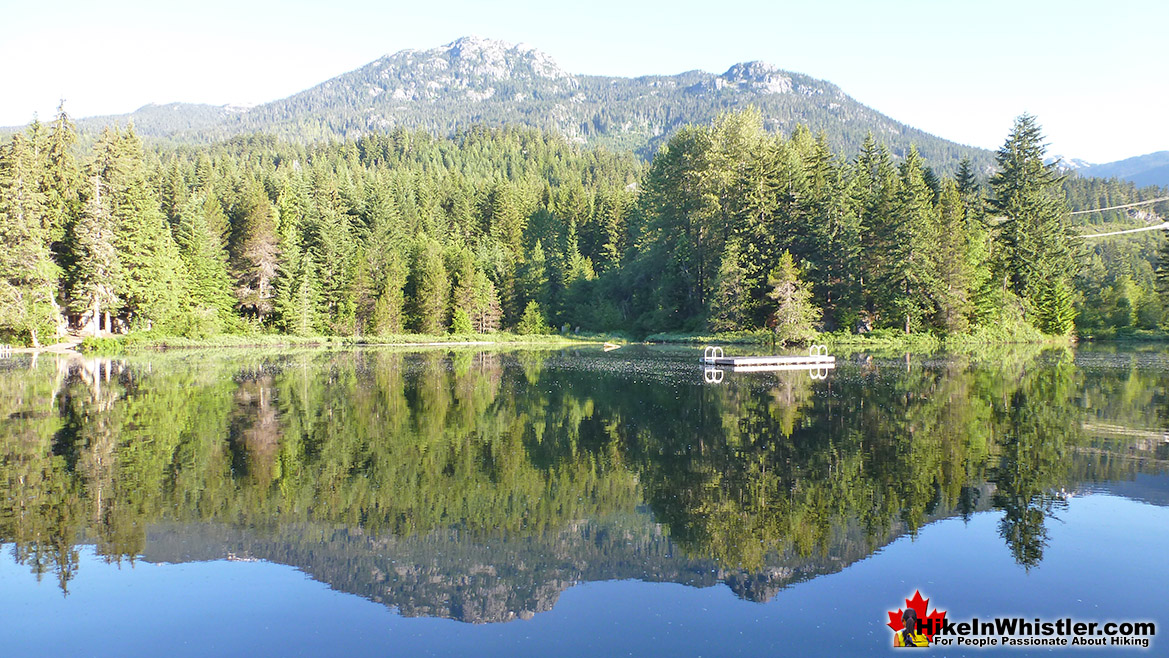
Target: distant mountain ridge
x=474, y=81
x=1142, y=170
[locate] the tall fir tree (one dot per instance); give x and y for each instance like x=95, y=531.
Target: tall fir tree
x=533, y=280
x=910, y=274
x=875, y=189
x=300, y=313
x=390, y=308
x=362, y=291
x=61, y=182
x=94, y=276
x=333, y=239
x=28, y=274
x=1035, y=250
x=730, y=303
x=486, y=311
x=955, y=273
x=209, y=283
x=431, y=288
x=463, y=271
x=152, y=281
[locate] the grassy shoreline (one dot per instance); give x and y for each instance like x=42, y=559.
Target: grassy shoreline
x=1126, y=335
x=147, y=341
x=883, y=340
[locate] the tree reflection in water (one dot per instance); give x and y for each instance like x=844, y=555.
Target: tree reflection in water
x=553, y=457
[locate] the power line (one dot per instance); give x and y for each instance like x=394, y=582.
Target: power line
x=1165, y=225
x=1127, y=205
x=1162, y=225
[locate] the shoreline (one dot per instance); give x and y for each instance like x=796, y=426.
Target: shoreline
x=140, y=343
x=913, y=343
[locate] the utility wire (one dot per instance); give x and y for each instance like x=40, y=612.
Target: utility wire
x=1127, y=205
x=1131, y=230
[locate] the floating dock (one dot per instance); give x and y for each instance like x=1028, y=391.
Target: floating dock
x=818, y=359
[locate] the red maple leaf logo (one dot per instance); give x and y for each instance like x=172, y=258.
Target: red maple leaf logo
x=930, y=623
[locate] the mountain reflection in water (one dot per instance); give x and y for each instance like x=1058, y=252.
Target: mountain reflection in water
x=479, y=485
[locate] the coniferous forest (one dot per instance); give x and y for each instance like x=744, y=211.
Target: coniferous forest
x=728, y=228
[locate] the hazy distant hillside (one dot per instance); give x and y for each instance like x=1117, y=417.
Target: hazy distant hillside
x=476, y=81
x=1150, y=169
x=165, y=120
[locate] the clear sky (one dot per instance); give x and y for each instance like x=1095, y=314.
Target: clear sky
x=1096, y=74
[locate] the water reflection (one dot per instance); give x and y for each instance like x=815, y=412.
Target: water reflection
x=479, y=485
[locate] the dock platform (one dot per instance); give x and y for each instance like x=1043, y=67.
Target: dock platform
x=818, y=357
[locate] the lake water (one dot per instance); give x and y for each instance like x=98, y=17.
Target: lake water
x=570, y=501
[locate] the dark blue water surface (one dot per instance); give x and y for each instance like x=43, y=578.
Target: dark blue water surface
x=571, y=502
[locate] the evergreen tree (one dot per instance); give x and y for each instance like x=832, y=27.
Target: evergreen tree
x=362, y=291
x=533, y=321
x=1162, y=272
x=461, y=323
x=385, y=243
x=151, y=281
x=209, y=284
x=61, y=181
x=1054, y=310
x=794, y=316
x=533, y=279
x=174, y=190
x=966, y=180
x=1034, y=250
x=612, y=211
x=505, y=216
x=333, y=239
x=287, y=301
x=731, y=299
x=463, y=276
x=301, y=314
x=430, y=288
x=389, y=309
x=953, y=275
x=486, y=312
x=28, y=274
x=910, y=285
x=94, y=277
x=875, y=189
x=217, y=222
x=575, y=270
x=838, y=221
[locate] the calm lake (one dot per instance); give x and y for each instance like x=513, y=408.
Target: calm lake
x=570, y=501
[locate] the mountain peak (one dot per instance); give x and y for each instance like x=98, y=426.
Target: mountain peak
x=758, y=76
x=478, y=57
x=1071, y=164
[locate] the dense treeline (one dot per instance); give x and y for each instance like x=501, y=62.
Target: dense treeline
x=1118, y=279
x=729, y=228
x=384, y=235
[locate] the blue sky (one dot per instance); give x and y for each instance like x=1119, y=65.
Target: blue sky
x=1095, y=73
